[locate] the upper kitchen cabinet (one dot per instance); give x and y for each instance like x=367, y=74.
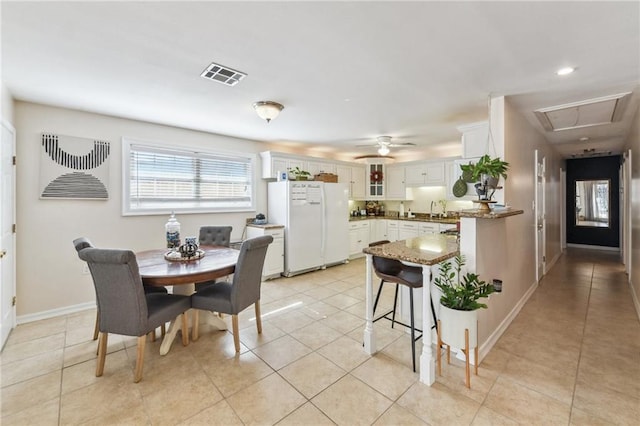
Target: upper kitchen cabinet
x=274, y=162
x=317, y=167
x=396, y=187
x=474, y=139
x=425, y=173
x=355, y=177
x=375, y=181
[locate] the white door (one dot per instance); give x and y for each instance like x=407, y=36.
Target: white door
x=540, y=215
x=7, y=237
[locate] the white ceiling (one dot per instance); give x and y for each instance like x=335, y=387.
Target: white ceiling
x=346, y=72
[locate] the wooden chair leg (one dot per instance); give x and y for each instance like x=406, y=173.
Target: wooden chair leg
x=476, y=360
x=185, y=329
x=467, y=376
x=439, y=350
x=102, y=353
x=152, y=334
x=96, y=328
x=142, y=340
x=163, y=330
x=195, y=328
x=236, y=335
x=448, y=354
x=258, y=317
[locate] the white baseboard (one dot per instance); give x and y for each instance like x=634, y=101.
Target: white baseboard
x=549, y=265
x=499, y=331
x=634, y=297
x=586, y=246
x=23, y=319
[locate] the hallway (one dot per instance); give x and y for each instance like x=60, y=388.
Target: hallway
x=571, y=357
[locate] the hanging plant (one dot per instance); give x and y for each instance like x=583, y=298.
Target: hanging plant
x=376, y=176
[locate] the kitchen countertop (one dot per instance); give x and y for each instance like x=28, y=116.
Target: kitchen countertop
x=446, y=220
x=491, y=215
x=265, y=226
x=425, y=250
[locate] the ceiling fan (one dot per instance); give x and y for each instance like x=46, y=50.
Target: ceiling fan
x=384, y=143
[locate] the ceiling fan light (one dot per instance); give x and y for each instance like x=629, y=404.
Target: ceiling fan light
x=565, y=71
x=268, y=110
x=383, y=150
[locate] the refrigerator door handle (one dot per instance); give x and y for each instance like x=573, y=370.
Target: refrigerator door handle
x=323, y=222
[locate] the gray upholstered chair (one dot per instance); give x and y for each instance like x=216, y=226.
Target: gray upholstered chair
x=396, y=272
x=213, y=236
x=233, y=297
x=123, y=305
x=83, y=242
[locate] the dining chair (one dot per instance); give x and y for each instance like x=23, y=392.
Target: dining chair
x=234, y=297
x=395, y=272
x=213, y=236
x=123, y=305
x=83, y=242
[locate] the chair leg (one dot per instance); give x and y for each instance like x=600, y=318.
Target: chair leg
x=195, y=328
x=185, y=329
x=395, y=303
x=413, y=330
x=163, y=330
x=139, y=359
x=258, y=317
x=439, y=349
x=475, y=351
x=102, y=353
x=236, y=335
x=375, y=304
x=433, y=313
x=96, y=328
x=466, y=355
x=152, y=334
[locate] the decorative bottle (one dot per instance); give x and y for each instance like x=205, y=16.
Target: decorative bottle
x=172, y=228
x=401, y=209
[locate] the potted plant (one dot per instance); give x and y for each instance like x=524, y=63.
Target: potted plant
x=486, y=168
x=299, y=174
x=459, y=304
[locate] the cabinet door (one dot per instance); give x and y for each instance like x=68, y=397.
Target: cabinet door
x=354, y=244
x=358, y=182
x=375, y=181
x=396, y=189
x=381, y=231
x=363, y=237
x=429, y=229
x=392, y=230
x=408, y=230
x=274, y=261
x=414, y=175
x=475, y=138
x=434, y=173
x=317, y=167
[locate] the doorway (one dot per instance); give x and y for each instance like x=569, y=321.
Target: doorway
x=7, y=235
x=593, y=201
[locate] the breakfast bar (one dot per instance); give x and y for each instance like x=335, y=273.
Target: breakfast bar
x=426, y=252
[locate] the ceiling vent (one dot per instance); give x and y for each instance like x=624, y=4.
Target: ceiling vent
x=592, y=112
x=222, y=74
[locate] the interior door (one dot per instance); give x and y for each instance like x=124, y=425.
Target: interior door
x=7, y=239
x=540, y=214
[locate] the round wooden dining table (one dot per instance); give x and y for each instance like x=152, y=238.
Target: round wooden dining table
x=155, y=270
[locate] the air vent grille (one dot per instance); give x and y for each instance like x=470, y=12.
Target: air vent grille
x=222, y=74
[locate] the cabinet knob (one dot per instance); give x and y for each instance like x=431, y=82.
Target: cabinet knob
x=2, y=253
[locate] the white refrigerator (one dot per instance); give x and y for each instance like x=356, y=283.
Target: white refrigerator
x=316, y=220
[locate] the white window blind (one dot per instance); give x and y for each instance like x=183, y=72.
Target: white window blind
x=181, y=180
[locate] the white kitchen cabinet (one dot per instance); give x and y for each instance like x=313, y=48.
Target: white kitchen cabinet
x=375, y=181
x=475, y=137
x=424, y=174
x=428, y=228
x=355, y=177
x=317, y=167
x=274, y=162
x=379, y=231
x=396, y=188
x=274, y=260
x=408, y=230
x=392, y=229
x=358, y=237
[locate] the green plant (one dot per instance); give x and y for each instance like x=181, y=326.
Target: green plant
x=299, y=174
x=486, y=166
x=461, y=291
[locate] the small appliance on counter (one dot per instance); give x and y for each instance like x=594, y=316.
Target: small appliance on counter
x=260, y=219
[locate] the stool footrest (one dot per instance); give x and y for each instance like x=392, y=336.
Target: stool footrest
x=399, y=323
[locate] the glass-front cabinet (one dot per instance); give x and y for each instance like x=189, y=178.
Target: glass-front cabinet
x=376, y=181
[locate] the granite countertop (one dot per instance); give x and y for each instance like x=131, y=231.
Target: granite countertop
x=474, y=213
x=425, y=250
x=265, y=226
x=446, y=220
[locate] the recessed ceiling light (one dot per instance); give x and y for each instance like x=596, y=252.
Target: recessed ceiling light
x=565, y=71
x=584, y=139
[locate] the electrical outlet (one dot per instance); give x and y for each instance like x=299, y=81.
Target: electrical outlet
x=85, y=269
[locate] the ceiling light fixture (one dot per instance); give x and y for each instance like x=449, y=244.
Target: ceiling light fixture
x=268, y=110
x=383, y=150
x=565, y=71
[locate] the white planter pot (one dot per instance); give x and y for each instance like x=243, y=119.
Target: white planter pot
x=452, y=326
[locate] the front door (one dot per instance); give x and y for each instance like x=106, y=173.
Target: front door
x=7, y=240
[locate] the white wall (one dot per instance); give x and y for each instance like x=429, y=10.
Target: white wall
x=633, y=143
x=6, y=104
x=49, y=273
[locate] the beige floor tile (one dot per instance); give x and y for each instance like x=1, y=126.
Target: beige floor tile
x=386, y=376
x=453, y=377
x=235, y=374
x=281, y=352
x=29, y=348
x=613, y=370
x=351, y=402
x=308, y=414
x=488, y=417
x=267, y=401
x=84, y=374
x=42, y=414
x=341, y=286
x=316, y=335
x=311, y=374
x=250, y=337
x=134, y=415
x=581, y=418
x=602, y=402
x=290, y=321
x=321, y=292
x=400, y=350
x=346, y=353
x=215, y=346
x=341, y=301
x=36, y=330
x=343, y=321
x=220, y=413
x=32, y=392
x=385, y=335
x=88, y=350
x=25, y=369
x=179, y=399
x=438, y=405
x=319, y=310
x=81, y=319
x=525, y=405
x=397, y=415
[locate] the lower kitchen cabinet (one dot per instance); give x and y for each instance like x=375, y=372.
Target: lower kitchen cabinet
x=358, y=237
x=408, y=230
x=274, y=261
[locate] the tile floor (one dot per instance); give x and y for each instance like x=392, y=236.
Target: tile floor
x=572, y=356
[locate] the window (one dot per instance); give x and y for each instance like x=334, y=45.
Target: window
x=158, y=179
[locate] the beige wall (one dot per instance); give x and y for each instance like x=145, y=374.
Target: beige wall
x=633, y=143
x=49, y=273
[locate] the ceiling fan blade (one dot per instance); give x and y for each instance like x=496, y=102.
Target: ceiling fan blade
x=368, y=144
x=402, y=144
